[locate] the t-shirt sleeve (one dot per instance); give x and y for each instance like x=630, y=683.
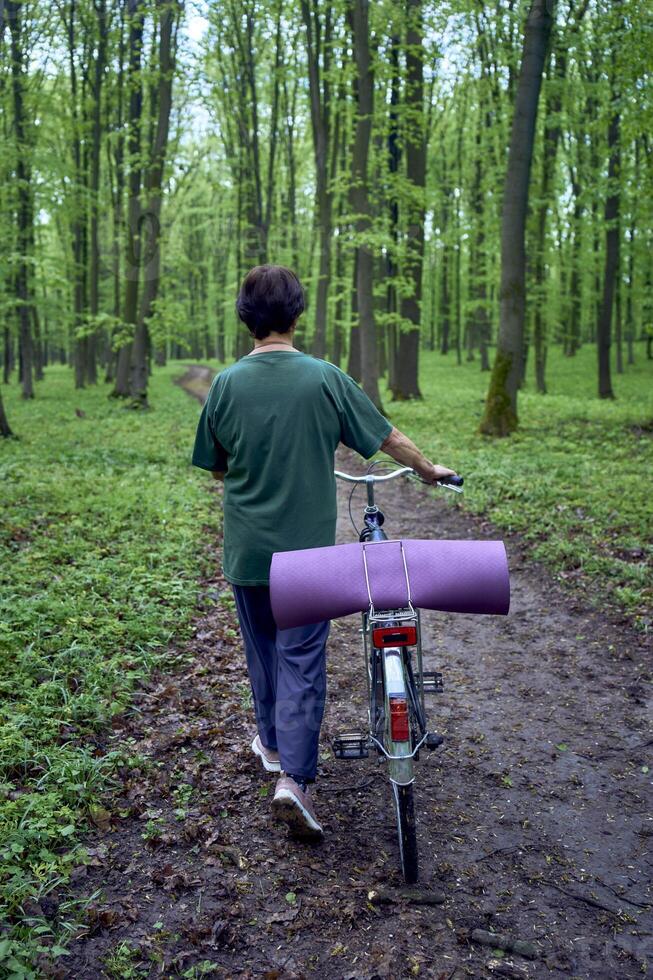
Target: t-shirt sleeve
x=362, y=427
x=208, y=453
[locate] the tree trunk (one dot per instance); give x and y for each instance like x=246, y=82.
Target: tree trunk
x=458, y=306
x=117, y=193
x=483, y=150
x=394, y=160
x=7, y=356
x=220, y=263
x=360, y=200
x=433, y=299
x=354, y=359
x=552, y=132
x=604, y=325
x=445, y=304
x=339, y=313
x=500, y=417
x=630, y=324
x=96, y=147
x=406, y=381
x=132, y=267
x=5, y=431
x=318, y=56
x=151, y=222
x=481, y=319
x=574, y=280
x=618, y=324
x=290, y=104
x=37, y=344
x=78, y=196
x=25, y=207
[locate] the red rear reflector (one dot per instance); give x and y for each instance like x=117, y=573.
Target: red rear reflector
x=399, y=731
x=394, y=636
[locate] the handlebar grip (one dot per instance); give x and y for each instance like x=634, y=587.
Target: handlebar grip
x=452, y=481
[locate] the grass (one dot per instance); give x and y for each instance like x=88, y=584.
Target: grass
x=575, y=480
x=100, y=556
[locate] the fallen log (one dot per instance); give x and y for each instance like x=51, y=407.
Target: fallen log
x=507, y=943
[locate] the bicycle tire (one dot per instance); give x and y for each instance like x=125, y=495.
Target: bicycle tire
x=406, y=831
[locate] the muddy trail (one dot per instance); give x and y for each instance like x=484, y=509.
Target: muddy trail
x=534, y=819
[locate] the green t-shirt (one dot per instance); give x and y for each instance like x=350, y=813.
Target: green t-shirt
x=272, y=422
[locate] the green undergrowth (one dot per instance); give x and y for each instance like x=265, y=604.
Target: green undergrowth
x=100, y=556
x=574, y=480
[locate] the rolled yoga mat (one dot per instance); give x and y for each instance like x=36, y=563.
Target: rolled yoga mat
x=451, y=576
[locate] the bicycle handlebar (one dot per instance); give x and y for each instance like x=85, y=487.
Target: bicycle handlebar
x=450, y=482
x=370, y=478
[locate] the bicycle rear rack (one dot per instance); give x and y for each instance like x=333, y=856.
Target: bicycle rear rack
x=353, y=745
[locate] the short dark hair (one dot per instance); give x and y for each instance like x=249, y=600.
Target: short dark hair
x=270, y=298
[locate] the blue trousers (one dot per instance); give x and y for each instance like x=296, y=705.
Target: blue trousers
x=287, y=671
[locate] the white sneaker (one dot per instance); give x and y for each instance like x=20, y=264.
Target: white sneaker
x=294, y=807
x=269, y=757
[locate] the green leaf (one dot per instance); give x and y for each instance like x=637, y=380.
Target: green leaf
x=291, y=898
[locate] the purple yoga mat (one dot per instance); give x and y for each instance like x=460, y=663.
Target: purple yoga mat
x=452, y=576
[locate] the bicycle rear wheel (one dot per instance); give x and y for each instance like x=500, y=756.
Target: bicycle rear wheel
x=407, y=831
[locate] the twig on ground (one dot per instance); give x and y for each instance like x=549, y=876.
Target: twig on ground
x=579, y=897
x=500, y=850
x=619, y=895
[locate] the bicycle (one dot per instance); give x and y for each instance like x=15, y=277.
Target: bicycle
x=396, y=687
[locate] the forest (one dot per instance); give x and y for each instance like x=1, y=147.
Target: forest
x=464, y=178
x=465, y=190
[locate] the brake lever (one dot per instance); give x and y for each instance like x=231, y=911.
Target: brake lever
x=438, y=483
x=449, y=486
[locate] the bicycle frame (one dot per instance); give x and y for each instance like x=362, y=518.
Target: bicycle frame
x=395, y=687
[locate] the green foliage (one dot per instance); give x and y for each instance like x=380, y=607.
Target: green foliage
x=575, y=478
x=99, y=537
x=123, y=962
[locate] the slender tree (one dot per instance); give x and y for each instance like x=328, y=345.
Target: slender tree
x=393, y=163
x=116, y=173
x=132, y=262
x=318, y=22
x=552, y=130
x=25, y=195
x=5, y=431
x=604, y=325
x=78, y=75
x=405, y=380
x=500, y=417
x=360, y=200
x=169, y=14
x=96, y=82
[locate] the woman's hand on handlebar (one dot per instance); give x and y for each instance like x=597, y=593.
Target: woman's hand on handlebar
x=431, y=473
x=404, y=451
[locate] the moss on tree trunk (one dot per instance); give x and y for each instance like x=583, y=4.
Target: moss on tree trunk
x=499, y=418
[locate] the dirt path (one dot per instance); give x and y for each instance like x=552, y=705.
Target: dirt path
x=535, y=820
